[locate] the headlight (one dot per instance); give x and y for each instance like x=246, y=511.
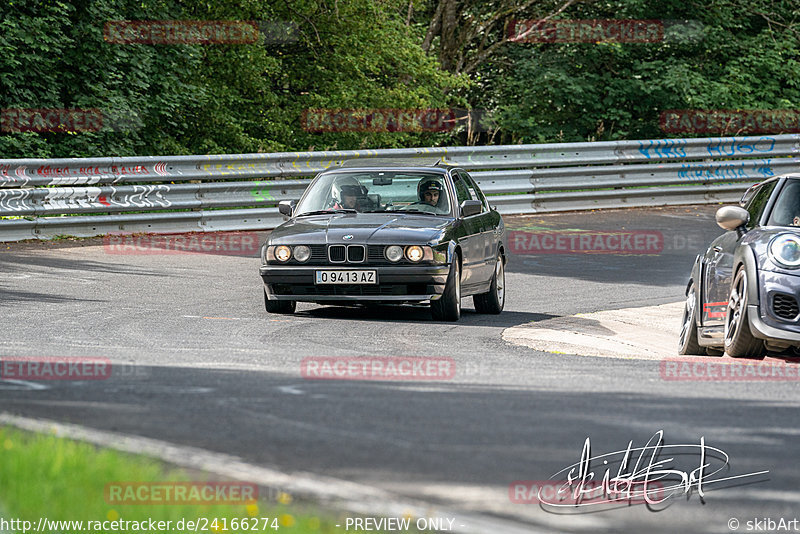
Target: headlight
x=393, y=253
x=784, y=249
x=283, y=253
x=302, y=253
x=414, y=253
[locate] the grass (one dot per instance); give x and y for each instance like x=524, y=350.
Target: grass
x=43, y=476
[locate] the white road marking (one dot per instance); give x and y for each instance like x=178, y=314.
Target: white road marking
x=291, y=390
x=21, y=385
x=646, y=333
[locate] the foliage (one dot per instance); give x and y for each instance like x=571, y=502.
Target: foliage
x=714, y=56
x=222, y=98
x=384, y=54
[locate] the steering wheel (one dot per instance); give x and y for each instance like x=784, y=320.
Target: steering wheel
x=420, y=206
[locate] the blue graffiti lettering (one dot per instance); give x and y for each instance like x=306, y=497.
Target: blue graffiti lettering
x=745, y=145
x=663, y=148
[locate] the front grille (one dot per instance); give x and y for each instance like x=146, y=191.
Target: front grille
x=355, y=253
x=318, y=255
x=784, y=306
x=376, y=254
x=336, y=253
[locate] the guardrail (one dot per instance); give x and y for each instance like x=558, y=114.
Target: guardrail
x=239, y=192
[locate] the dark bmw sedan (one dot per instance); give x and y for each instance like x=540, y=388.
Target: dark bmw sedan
x=389, y=234
x=742, y=295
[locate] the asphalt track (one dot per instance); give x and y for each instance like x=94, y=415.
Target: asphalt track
x=208, y=368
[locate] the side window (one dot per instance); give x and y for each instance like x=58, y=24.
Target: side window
x=476, y=193
x=461, y=188
x=758, y=202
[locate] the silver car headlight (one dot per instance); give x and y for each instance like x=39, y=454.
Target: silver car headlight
x=302, y=253
x=784, y=250
x=394, y=253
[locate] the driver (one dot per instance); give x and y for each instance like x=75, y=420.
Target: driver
x=348, y=195
x=429, y=192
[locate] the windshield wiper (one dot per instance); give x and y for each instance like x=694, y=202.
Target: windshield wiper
x=417, y=212
x=326, y=212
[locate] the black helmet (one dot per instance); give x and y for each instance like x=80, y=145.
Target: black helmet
x=353, y=190
x=429, y=184
x=347, y=186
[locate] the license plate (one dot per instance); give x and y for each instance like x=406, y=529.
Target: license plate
x=346, y=277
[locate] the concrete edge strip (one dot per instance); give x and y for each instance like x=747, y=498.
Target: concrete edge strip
x=349, y=496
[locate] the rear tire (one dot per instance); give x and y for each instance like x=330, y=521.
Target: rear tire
x=493, y=301
x=687, y=340
x=279, y=306
x=448, y=306
x=739, y=340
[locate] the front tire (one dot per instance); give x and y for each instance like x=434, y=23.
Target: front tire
x=448, y=306
x=687, y=340
x=739, y=340
x=279, y=306
x=493, y=301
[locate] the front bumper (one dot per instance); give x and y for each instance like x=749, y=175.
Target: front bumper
x=764, y=323
x=398, y=283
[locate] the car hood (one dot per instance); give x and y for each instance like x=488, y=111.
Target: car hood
x=366, y=228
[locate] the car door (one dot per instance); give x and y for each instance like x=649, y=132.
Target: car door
x=486, y=225
x=718, y=259
x=469, y=235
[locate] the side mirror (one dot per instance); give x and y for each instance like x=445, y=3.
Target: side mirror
x=470, y=207
x=732, y=217
x=285, y=207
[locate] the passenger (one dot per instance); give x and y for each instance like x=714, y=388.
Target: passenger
x=430, y=192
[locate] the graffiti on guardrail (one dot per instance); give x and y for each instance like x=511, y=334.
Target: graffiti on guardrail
x=69, y=175
x=715, y=147
x=756, y=170
x=69, y=198
x=663, y=148
x=14, y=200
x=261, y=192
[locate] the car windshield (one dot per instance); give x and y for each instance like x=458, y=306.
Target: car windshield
x=377, y=191
x=787, y=206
